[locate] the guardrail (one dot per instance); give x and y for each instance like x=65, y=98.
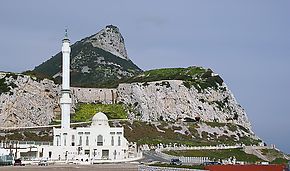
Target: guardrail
x=51, y=126
x=192, y=160
x=12, y=144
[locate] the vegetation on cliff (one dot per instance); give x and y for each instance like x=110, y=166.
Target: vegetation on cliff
x=91, y=66
x=149, y=133
x=6, y=86
x=198, y=77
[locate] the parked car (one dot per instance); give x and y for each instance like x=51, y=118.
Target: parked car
x=43, y=163
x=175, y=162
x=211, y=163
x=18, y=162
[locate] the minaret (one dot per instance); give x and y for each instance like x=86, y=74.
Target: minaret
x=65, y=100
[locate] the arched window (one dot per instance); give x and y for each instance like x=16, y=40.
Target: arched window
x=112, y=141
x=73, y=140
x=64, y=138
x=57, y=140
x=87, y=140
x=100, y=140
x=119, y=141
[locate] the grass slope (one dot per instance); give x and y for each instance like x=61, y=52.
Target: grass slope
x=198, y=77
x=106, y=73
x=85, y=112
x=147, y=133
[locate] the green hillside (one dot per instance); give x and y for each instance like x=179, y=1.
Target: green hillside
x=90, y=67
x=198, y=77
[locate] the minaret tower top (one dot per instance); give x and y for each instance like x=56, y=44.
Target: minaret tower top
x=65, y=39
x=65, y=100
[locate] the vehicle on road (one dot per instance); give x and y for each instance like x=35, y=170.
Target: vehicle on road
x=211, y=163
x=43, y=163
x=175, y=162
x=18, y=162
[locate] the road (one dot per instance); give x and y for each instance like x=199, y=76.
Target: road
x=151, y=156
x=97, y=167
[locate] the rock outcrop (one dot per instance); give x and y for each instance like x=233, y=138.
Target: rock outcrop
x=99, y=61
x=170, y=100
x=27, y=101
x=111, y=40
x=202, y=95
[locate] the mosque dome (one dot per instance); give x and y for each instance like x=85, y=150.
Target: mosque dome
x=100, y=119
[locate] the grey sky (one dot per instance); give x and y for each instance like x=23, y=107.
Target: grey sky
x=246, y=41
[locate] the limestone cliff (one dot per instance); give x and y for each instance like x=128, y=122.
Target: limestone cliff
x=111, y=40
x=26, y=101
x=170, y=100
x=202, y=95
x=208, y=98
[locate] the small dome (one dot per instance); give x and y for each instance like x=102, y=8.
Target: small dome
x=99, y=119
x=100, y=116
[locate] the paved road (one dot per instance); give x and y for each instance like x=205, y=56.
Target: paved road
x=151, y=156
x=98, y=167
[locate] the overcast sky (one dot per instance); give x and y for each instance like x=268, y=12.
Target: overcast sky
x=247, y=42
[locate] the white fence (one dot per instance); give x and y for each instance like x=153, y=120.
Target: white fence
x=176, y=148
x=23, y=144
x=168, y=147
x=191, y=160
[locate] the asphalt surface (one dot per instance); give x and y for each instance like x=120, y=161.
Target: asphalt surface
x=149, y=157
x=97, y=167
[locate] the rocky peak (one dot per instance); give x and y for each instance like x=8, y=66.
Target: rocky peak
x=99, y=60
x=111, y=40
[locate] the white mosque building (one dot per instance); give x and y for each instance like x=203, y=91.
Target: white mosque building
x=91, y=144
x=96, y=143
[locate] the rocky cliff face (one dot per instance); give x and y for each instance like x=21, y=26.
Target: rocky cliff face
x=25, y=101
x=170, y=100
x=192, y=93
x=111, y=40
x=97, y=61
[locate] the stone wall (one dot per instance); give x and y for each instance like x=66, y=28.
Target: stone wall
x=94, y=95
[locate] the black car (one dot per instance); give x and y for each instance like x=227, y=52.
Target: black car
x=211, y=163
x=175, y=162
x=18, y=162
x=43, y=163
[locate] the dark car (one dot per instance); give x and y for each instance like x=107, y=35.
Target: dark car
x=175, y=162
x=43, y=163
x=211, y=163
x=18, y=162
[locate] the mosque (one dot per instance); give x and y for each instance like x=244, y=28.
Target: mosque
x=97, y=143
x=94, y=143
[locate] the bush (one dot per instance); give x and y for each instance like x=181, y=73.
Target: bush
x=3, y=86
